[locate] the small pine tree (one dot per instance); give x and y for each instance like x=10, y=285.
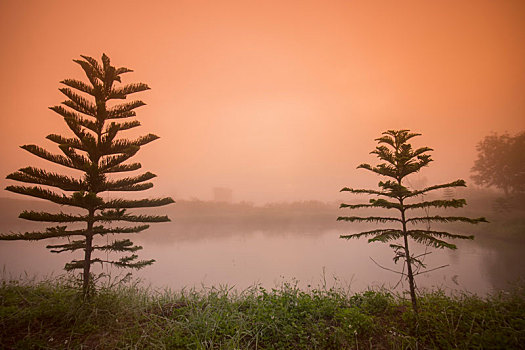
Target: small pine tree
x=95, y=151
x=399, y=161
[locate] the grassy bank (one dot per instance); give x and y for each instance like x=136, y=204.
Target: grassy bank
x=51, y=315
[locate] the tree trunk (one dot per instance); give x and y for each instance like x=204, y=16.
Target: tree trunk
x=87, y=255
x=410, y=273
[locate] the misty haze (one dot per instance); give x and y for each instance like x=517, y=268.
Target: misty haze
x=287, y=174
x=240, y=244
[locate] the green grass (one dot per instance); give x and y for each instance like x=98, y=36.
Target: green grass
x=52, y=315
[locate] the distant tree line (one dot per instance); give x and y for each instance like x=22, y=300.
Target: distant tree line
x=501, y=163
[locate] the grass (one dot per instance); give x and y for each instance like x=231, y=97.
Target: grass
x=52, y=315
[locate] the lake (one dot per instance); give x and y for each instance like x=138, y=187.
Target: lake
x=242, y=259
x=210, y=244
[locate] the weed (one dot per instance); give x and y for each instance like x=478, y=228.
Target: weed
x=52, y=315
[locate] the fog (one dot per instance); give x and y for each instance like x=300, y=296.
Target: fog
x=276, y=100
x=264, y=110
x=241, y=244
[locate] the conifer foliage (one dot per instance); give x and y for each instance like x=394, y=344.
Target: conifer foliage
x=399, y=161
x=95, y=151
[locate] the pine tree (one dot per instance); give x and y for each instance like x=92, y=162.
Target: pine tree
x=95, y=152
x=399, y=161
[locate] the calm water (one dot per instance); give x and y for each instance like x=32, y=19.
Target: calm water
x=196, y=256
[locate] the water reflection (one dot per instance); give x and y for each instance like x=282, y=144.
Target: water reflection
x=259, y=257
x=267, y=258
x=242, y=250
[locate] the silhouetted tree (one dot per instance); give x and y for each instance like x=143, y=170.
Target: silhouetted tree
x=400, y=160
x=95, y=151
x=501, y=163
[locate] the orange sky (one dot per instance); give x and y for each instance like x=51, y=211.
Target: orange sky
x=278, y=100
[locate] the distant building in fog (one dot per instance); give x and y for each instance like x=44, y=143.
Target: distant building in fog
x=222, y=194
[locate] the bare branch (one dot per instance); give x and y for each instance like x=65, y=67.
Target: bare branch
x=386, y=268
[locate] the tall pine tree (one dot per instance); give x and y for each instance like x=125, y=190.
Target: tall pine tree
x=95, y=151
x=399, y=161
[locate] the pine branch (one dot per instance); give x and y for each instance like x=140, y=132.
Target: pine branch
x=79, y=85
x=134, y=188
x=381, y=169
x=423, y=237
x=440, y=234
x=74, y=121
x=61, y=232
x=379, y=193
x=39, y=192
x=79, y=161
x=386, y=139
x=385, y=154
x=101, y=230
x=375, y=203
x=42, y=177
x=438, y=218
x=124, y=110
x=414, y=166
x=138, y=203
x=122, y=168
x=457, y=183
x=109, y=134
x=55, y=158
x=116, y=215
x=111, y=130
x=122, y=92
x=387, y=236
x=78, y=103
x=112, y=164
x=125, y=146
x=108, y=68
x=71, y=246
x=122, y=70
x=122, y=262
x=127, y=183
x=372, y=233
x=96, y=70
x=75, y=124
x=367, y=219
x=47, y=217
x=395, y=189
x=382, y=203
x=395, y=138
x=126, y=262
x=354, y=206
x=50, y=232
x=92, y=74
x=77, y=199
x=449, y=203
x=69, y=142
x=124, y=245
